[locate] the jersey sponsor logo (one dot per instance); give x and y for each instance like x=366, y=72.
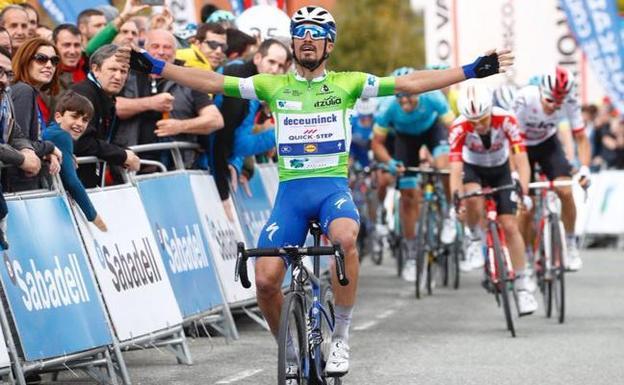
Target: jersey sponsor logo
x=328, y=102
x=311, y=120
x=271, y=229
x=371, y=80
x=324, y=90
x=310, y=131
x=307, y=137
x=285, y=149
x=289, y=105
x=313, y=162
x=310, y=148
x=340, y=202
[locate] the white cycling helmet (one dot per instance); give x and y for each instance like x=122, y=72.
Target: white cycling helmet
x=315, y=15
x=475, y=101
x=556, y=86
x=504, y=96
x=366, y=106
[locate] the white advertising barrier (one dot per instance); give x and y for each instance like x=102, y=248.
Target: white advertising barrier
x=455, y=30
x=223, y=234
x=605, y=206
x=264, y=21
x=128, y=265
x=270, y=179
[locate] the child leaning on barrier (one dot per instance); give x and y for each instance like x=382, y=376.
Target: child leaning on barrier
x=71, y=118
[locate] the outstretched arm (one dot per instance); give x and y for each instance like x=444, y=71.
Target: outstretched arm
x=209, y=82
x=422, y=81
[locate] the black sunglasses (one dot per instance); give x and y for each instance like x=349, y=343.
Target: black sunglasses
x=215, y=44
x=43, y=59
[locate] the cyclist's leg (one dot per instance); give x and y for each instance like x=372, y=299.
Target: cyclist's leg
x=407, y=147
x=340, y=221
x=556, y=167
x=437, y=143
x=525, y=218
x=287, y=225
x=474, y=216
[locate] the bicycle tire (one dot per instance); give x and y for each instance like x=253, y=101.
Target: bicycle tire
x=421, y=242
x=400, y=253
x=377, y=256
x=434, y=256
x=292, y=323
x=546, y=275
x=327, y=299
x=453, y=260
x=558, y=281
x=501, y=272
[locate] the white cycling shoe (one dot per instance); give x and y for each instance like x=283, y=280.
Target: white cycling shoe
x=474, y=256
x=292, y=368
x=573, y=260
x=338, y=358
x=409, y=270
x=527, y=303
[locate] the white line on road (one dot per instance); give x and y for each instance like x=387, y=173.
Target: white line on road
x=240, y=376
x=365, y=325
x=385, y=314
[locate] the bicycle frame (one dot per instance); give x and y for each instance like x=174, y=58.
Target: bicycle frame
x=490, y=267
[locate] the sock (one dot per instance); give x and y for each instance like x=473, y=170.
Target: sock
x=343, y=322
x=571, y=239
x=520, y=279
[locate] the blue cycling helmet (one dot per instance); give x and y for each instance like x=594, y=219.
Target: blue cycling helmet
x=314, y=15
x=402, y=71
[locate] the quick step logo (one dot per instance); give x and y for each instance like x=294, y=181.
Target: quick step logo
x=130, y=269
x=44, y=289
x=186, y=252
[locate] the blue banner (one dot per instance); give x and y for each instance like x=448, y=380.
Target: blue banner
x=48, y=283
x=174, y=219
x=67, y=11
x=596, y=25
x=253, y=211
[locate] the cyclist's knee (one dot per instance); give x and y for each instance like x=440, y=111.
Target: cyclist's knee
x=565, y=193
x=509, y=225
x=267, y=285
x=344, y=232
x=269, y=276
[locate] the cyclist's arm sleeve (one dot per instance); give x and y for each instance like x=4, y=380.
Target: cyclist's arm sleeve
x=383, y=120
x=257, y=87
x=457, y=137
x=514, y=134
x=363, y=85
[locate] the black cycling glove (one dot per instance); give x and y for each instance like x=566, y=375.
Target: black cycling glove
x=482, y=67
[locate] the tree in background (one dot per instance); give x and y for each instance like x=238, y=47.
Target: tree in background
x=377, y=36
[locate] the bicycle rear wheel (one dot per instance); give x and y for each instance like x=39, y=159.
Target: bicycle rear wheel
x=292, y=340
x=452, y=261
x=421, y=246
x=558, y=273
x=501, y=273
x=546, y=275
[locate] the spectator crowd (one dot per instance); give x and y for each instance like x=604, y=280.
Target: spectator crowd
x=68, y=92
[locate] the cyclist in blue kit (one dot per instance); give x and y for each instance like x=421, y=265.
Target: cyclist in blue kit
x=417, y=120
x=362, y=131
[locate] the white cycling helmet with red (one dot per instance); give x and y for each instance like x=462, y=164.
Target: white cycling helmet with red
x=556, y=86
x=475, y=101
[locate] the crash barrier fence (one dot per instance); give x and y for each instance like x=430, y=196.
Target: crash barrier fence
x=75, y=297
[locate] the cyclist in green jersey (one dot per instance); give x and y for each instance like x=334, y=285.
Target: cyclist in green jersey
x=311, y=108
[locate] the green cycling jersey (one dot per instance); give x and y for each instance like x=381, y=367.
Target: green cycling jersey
x=312, y=125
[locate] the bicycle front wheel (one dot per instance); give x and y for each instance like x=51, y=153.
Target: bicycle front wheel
x=292, y=342
x=501, y=273
x=421, y=246
x=558, y=281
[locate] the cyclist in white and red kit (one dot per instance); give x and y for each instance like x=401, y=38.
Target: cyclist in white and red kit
x=540, y=111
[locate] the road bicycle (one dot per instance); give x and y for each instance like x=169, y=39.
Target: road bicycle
x=307, y=317
x=549, y=247
x=499, y=272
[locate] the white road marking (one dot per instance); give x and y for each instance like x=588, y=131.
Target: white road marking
x=385, y=314
x=366, y=325
x=240, y=376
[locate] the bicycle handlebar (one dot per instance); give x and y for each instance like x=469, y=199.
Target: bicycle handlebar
x=551, y=184
x=486, y=191
x=429, y=171
x=244, y=254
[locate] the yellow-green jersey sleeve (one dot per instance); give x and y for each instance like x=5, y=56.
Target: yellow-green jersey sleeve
x=257, y=87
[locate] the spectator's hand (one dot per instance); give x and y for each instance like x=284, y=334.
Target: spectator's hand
x=100, y=224
x=133, y=162
x=245, y=183
x=55, y=164
x=168, y=127
x=162, y=20
x=32, y=163
x=131, y=9
x=233, y=177
x=58, y=154
x=162, y=102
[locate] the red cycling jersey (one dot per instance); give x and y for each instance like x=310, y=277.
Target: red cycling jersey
x=467, y=145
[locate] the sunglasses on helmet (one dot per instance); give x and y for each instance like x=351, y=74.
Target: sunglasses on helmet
x=316, y=32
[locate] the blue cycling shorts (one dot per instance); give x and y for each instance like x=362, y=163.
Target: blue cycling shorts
x=300, y=201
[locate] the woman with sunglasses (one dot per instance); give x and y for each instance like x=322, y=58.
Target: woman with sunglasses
x=35, y=70
x=540, y=111
x=311, y=108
